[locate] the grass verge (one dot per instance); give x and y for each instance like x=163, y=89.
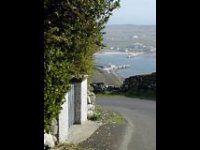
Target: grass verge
x=148, y=95
x=108, y=117
x=71, y=147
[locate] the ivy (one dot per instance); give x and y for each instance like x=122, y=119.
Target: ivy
x=72, y=34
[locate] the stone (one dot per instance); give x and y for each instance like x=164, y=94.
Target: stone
x=99, y=87
x=54, y=127
x=90, y=88
x=88, y=93
x=92, y=97
x=49, y=140
x=89, y=100
x=91, y=107
x=90, y=114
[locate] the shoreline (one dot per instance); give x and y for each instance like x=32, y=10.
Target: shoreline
x=133, y=54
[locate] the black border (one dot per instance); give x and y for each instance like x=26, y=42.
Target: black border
x=22, y=75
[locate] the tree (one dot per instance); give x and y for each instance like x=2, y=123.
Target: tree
x=72, y=34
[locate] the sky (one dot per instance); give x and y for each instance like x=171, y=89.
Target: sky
x=139, y=12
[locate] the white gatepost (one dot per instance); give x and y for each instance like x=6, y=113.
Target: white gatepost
x=80, y=87
x=63, y=119
x=80, y=100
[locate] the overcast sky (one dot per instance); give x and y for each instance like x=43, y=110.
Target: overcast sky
x=140, y=12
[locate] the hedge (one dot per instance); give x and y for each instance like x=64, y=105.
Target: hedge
x=72, y=34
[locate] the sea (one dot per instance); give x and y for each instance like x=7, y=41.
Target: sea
x=138, y=65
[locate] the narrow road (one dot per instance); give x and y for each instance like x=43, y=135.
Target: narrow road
x=141, y=117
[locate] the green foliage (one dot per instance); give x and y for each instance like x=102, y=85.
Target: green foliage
x=72, y=34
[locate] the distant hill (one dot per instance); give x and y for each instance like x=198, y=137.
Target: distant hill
x=128, y=36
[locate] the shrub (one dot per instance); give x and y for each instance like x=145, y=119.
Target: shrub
x=72, y=34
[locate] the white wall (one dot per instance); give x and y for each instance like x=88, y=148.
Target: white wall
x=83, y=100
x=63, y=125
x=80, y=96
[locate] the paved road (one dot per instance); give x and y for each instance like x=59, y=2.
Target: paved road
x=141, y=117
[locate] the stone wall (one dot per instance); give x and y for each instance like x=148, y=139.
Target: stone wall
x=136, y=84
x=140, y=83
x=91, y=101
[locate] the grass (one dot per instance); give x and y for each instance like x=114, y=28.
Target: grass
x=106, y=116
x=109, y=94
x=147, y=95
x=71, y=147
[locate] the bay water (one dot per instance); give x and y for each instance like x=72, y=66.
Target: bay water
x=143, y=64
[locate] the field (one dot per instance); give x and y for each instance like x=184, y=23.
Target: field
x=132, y=37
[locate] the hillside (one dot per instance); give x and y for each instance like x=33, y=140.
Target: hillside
x=106, y=78
x=130, y=37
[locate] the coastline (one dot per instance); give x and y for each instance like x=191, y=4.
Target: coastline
x=126, y=64
x=109, y=52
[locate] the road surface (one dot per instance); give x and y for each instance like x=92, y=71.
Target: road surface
x=141, y=117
